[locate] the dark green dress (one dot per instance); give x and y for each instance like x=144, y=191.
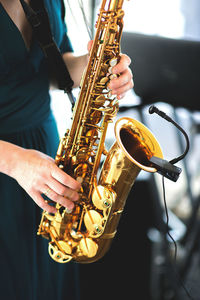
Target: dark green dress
x=26, y=270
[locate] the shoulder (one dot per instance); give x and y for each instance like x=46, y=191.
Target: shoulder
x=54, y=5
x=55, y=9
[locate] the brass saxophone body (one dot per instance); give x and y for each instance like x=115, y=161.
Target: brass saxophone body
x=85, y=234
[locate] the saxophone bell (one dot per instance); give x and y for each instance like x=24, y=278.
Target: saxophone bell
x=130, y=153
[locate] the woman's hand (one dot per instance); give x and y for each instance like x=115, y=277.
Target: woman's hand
x=38, y=174
x=119, y=85
x=124, y=81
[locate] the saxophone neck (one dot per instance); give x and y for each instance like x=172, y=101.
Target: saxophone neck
x=112, y=5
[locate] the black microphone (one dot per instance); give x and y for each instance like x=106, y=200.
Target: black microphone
x=164, y=167
x=154, y=109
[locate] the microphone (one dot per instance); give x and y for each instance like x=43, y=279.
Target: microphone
x=154, y=109
x=164, y=167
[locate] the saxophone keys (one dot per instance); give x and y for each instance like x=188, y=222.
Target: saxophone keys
x=102, y=197
x=76, y=235
x=95, y=117
x=104, y=69
x=113, y=76
x=100, y=100
x=91, y=135
x=113, y=28
x=110, y=70
x=93, y=222
x=58, y=255
x=66, y=247
x=81, y=170
x=113, y=62
x=88, y=247
x=104, y=80
x=120, y=14
x=82, y=155
x=110, y=94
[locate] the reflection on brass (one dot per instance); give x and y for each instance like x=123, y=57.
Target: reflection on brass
x=93, y=222
x=88, y=247
x=102, y=197
x=86, y=233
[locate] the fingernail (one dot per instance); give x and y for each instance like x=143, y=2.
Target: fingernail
x=79, y=179
x=69, y=209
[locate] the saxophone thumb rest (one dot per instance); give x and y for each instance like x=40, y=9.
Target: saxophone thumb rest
x=164, y=167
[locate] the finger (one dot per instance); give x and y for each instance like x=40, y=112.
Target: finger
x=123, y=89
x=62, y=190
x=123, y=79
x=52, y=195
x=39, y=200
x=121, y=96
x=123, y=64
x=65, y=179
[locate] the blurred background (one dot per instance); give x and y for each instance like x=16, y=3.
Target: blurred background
x=162, y=37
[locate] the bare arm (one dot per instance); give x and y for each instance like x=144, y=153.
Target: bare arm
x=76, y=66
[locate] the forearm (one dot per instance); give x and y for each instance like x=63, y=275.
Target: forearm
x=76, y=66
x=9, y=154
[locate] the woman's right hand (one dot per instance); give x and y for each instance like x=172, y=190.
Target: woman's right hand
x=38, y=174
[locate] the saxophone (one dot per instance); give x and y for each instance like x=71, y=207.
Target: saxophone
x=86, y=233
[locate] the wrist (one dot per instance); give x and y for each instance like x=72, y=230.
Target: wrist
x=10, y=157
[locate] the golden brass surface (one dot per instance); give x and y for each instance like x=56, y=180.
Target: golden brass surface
x=85, y=234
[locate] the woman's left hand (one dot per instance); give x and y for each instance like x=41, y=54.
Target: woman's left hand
x=121, y=84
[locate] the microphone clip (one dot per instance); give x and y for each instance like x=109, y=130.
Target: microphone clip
x=165, y=168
